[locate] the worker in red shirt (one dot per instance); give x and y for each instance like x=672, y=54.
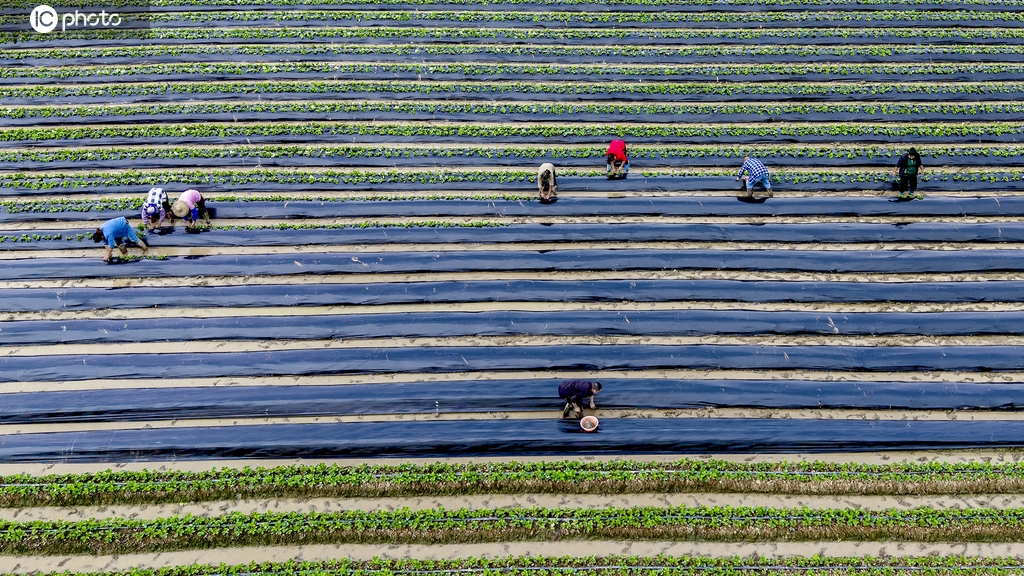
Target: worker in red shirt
x=617, y=161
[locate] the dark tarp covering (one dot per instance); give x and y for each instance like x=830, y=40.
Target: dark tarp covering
x=470, y=358
x=624, y=437
x=495, y=396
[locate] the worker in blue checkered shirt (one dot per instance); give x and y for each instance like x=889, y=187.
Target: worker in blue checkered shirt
x=756, y=174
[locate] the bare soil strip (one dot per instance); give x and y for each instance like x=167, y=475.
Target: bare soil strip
x=988, y=455
x=220, y=346
x=626, y=306
x=372, y=278
x=343, y=380
x=491, y=501
x=77, y=564
x=699, y=413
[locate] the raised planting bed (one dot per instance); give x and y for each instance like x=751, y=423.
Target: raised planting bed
x=880, y=92
x=218, y=71
x=519, y=133
x=687, y=475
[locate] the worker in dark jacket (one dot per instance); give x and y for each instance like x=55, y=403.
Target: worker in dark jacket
x=574, y=392
x=907, y=168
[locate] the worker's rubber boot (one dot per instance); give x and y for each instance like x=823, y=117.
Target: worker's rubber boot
x=566, y=410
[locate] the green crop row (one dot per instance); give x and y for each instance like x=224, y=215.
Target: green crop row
x=627, y=51
x=560, y=109
x=588, y=17
x=866, y=89
x=708, y=3
x=26, y=238
x=490, y=152
x=517, y=130
x=120, y=536
x=456, y=34
x=509, y=477
x=606, y=565
x=487, y=69
x=58, y=205
x=85, y=180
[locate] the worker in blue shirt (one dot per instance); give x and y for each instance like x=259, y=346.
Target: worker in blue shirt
x=756, y=174
x=113, y=232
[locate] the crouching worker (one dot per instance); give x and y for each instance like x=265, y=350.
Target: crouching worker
x=574, y=392
x=617, y=163
x=155, y=209
x=113, y=232
x=547, y=184
x=756, y=174
x=189, y=206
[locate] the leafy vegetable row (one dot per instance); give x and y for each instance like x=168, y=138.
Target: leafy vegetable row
x=485, y=69
x=626, y=51
x=783, y=89
x=974, y=17
x=714, y=110
x=119, y=536
x=717, y=4
x=524, y=152
x=57, y=205
x=517, y=130
x=510, y=477
x=457, y=34
x=334, y=176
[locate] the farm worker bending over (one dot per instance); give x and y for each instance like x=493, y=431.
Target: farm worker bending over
x=155, y=209
x=190, y=205
x=112, y=232
x=574, y=392
x=546, y=183
x=617, y=162
x=908, y=167
x=756, y=174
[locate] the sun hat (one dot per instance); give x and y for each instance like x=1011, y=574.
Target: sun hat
x=180, y=209
x=151, y=209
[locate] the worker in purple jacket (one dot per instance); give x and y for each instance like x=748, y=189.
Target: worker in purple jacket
x=574, y=392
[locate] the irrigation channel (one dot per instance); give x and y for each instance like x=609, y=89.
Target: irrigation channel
x=353, y=368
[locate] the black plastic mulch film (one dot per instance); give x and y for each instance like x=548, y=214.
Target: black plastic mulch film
x=749, y=25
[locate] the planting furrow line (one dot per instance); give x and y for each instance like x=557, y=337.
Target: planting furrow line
x=104, y=565
x=526, y=341
x=507, y=306
x=527, y=500
x=585, y=275
x=851, y=377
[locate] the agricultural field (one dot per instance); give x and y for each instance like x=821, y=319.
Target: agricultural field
x=352, y=368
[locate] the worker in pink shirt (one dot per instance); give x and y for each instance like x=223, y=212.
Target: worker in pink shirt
x=189, y=206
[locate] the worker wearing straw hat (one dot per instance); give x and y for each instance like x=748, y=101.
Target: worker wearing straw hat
x=189, y=206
